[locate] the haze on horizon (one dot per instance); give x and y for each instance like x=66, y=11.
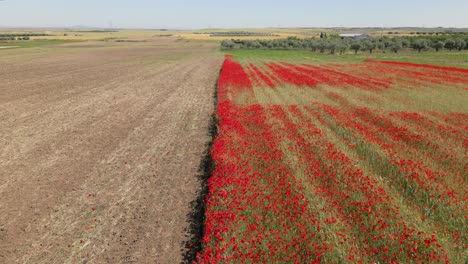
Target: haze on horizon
x=232, y=14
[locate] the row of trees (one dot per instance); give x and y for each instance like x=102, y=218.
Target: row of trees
x=22, y=35
x=436, y=33
x=19, y=36
x=13, y=38
x=338, y=45
x=241, y=33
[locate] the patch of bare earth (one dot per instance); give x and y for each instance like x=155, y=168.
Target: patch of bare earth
x=99, y=149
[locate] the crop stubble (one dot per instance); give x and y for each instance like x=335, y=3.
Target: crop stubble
x=99, y=149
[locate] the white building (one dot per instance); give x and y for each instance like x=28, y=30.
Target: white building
x=355, y=36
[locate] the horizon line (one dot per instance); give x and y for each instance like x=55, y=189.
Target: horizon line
x=214, y=28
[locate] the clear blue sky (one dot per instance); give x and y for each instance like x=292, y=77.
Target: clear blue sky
x=233, y=13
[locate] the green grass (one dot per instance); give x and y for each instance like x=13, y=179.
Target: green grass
x=35, y=43
x=443, y=58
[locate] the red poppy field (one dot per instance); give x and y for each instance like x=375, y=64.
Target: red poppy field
x=333, y=163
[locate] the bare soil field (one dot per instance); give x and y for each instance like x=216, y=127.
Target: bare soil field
x=100, y=145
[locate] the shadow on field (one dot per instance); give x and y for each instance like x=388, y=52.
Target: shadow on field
x=196, y=217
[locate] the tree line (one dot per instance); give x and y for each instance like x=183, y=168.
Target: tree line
x=241, y=34
x=13, y=38
x=342, y=45
x=19, y=36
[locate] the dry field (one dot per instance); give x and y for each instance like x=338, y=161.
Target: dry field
x=202, y=34
x=100, y=145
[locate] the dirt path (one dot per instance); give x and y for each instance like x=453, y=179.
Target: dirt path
x=99, y=149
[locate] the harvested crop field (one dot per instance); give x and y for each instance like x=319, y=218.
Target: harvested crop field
x=100, y=147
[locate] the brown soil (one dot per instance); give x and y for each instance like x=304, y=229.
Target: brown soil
x=99, y=149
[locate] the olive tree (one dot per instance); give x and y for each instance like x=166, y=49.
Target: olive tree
x=314, y=45
x=342, y=47
x=228, y=44
x=356, y=46
x=322, y=46
x=405, y=43
x=450, y=44
x=381, y=46
x=368, y=45
x=460, y=44
x=438, y=45
x=395, y=47
x=332, y=45
x=420, y=44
